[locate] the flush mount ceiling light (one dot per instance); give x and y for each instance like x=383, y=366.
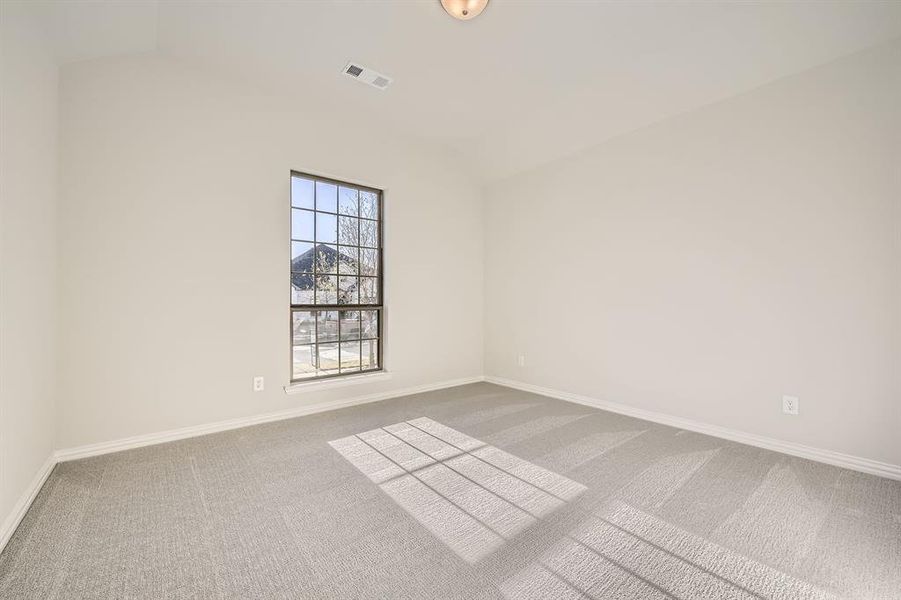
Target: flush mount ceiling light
x=464, y=9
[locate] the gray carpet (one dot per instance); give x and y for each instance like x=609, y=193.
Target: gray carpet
x=472, y=492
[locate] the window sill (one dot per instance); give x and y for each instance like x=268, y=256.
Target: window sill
x=338, y=382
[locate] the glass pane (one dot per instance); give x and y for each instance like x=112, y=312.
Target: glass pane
x=369, y=327
x=369, y=290
x=304, y=361
x=302, y=286
x=326, y=289
x=348, y=260
x=302, y=192
x=369, y=355
x=348, y=231
x=350, y=325
x=326, y=196
x=369, y=205
x=369, y=234
x=327, y=326
x=347, y=201
x=369, y=262
x=348, y=290
x=350, y=357
x=301, y=257
x=326, y=228
x=328, y=359
x=301, y=224
x=326, y=259
x=304, y=327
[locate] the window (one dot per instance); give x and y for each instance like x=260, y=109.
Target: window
x=336, y=278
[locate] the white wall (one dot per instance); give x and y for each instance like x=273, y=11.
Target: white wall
x=174, y=226
x=707, y=265
x=28, y=292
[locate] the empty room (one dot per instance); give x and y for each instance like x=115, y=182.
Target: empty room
x=450, y=299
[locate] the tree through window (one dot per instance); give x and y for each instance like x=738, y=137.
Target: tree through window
x=336, y=278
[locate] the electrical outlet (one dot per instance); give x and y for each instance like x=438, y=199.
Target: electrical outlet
x=258, y=384
x=790, y=405
x=521, y=360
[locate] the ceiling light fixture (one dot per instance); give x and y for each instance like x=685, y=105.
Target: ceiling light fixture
x=464, y=9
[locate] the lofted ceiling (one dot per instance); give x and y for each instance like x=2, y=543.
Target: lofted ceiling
x=83, y=30
x=523, y=84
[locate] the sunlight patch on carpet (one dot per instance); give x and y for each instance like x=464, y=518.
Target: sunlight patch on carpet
x=471, y=496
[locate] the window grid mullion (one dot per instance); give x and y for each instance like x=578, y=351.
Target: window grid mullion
x=315, y=263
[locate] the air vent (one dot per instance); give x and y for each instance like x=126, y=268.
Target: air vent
x=367, y=76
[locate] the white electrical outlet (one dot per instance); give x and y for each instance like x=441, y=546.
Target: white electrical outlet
x=521, y=360
x=258, y=384
x=790, y=405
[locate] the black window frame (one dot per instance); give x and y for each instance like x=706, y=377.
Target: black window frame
x=338, y=308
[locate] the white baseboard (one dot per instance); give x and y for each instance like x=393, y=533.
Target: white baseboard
x=24, y=503
x=838, y=459
x=198, y=430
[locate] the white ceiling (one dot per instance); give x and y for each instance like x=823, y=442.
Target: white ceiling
x=82, y=30
x=523, y=84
